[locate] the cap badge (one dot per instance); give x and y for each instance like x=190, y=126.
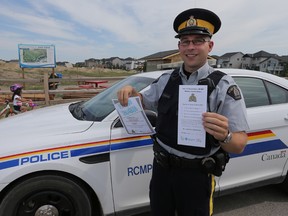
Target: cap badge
x=191, y=22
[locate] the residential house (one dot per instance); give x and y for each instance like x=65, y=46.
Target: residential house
x=163, y=59
x=230, y=60
x=247, y=61
x=131, y=64
x=80, y=64
x=263, y=61
x=116, y=62
x=113, y=62
x=92, y=62
x=65, y=64
x=271, y=65
x=168, y=60
x=212, y=61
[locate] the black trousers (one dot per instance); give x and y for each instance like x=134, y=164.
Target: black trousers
x=189, y=192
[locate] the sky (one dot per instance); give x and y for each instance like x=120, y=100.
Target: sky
x=136, y=28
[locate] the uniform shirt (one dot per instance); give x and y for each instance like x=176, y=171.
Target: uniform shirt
x=219, y=102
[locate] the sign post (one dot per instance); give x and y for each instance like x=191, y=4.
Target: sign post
x=37, y=56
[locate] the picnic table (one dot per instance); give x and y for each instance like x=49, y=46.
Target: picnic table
x=93, y=84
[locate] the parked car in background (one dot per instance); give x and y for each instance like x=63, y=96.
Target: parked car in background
x=77, y=159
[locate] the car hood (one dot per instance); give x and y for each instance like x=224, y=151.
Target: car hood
x=51, y=120
x=40, y=124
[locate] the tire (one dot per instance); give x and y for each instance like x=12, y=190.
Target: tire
x=10, y=113
x=54, y=195
x=284, y=184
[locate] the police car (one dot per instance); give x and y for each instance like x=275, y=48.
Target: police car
x=77, y=159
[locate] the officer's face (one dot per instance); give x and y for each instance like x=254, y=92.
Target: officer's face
x=194, y=50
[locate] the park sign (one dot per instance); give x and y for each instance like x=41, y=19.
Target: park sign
x=36, y=56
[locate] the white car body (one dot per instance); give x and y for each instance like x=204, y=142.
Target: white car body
x=115, y=166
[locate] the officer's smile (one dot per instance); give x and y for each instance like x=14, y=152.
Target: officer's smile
x=191, y=55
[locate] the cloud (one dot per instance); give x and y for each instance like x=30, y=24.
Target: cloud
x=104, y=28
x=38, y=24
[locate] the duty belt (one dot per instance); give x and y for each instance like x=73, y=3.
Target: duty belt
x=168, y=160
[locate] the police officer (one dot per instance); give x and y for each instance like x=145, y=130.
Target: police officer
x=181, y=182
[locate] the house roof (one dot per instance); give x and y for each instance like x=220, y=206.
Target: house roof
x=263, y=54
x=265, y=60
x=228, y=55
x=248, y=55
x=160, y=55
x=284, y=58
x=215, y=56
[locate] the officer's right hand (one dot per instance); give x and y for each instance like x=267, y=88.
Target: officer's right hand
x=124, y=93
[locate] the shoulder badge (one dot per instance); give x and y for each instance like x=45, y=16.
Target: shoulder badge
x=234, y=92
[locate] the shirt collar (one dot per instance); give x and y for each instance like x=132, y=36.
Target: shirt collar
x=202, y=72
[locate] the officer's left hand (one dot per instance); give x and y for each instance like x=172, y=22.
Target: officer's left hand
x=216, y=125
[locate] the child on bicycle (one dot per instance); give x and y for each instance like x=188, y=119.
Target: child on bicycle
x=17, y=98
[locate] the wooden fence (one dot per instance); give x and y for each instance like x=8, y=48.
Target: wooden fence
x=45, y=96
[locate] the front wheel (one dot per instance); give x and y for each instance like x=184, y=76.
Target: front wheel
x=284, y=184
x=8, y=113
x=11, y=112
x=46, y=195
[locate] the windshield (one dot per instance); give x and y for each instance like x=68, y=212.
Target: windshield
x=98, y=107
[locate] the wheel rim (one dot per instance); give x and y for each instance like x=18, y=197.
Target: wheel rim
x=47, y=210
x=47, y=203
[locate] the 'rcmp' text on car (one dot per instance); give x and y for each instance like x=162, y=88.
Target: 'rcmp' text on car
x=78, y=159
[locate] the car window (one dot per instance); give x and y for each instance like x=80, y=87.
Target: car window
x=277, y=94
x=253, y=90
x=258, y=92
x=98, y=107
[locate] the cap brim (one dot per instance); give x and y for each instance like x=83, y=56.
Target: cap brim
x=193, y=31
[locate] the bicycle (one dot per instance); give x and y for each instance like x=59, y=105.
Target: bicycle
x=9, y=111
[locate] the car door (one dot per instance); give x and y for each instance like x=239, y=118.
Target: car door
x=131, y=168
x=265, y=155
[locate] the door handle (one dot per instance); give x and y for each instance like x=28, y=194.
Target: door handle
x=286, y=117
